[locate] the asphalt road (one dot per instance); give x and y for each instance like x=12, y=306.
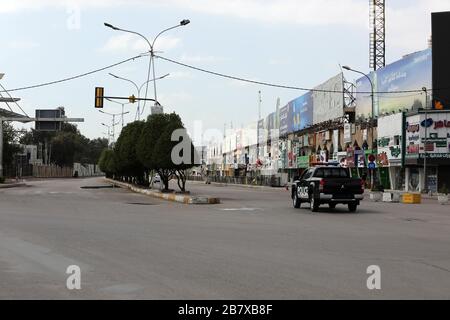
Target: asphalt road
x=252, y=246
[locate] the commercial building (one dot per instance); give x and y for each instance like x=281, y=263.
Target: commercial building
x=384, y=140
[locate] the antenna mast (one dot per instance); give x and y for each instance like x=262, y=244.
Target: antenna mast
x=377, y=50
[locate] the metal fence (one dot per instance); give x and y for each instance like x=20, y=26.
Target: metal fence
x=269, y=181
x=52, y=171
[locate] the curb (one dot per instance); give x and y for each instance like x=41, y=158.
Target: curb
x=12, y=185
x=166, y=196
x=248, y=186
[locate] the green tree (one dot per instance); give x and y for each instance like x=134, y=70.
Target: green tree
x=64, y=147
x=107, y=163
x=150, y=134
x=128, y=164
x=10, y=144
x=162, y=153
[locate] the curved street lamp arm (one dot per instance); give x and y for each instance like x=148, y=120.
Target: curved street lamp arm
x=157, y=36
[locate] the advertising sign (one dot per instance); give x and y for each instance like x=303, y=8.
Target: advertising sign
x=390, y=140
x=285, y=117
x=329, y=105
x=239, y=139
x=360, y=158
x=335, y=143
x=270, y=125
x=413, y=72
x=302, y=112
x=410, y=73
x=347, y=133
x=262, y=137
x=363, y=95
x=438, y=136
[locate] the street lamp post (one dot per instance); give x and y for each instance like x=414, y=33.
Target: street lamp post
x=109, y=133
x=138, y=88
x=114, y=121
x=152, y=53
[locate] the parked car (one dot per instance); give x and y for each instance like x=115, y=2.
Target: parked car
x=156, y=178
x=330, y=185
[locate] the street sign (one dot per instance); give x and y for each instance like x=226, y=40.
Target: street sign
x=99, y=93
x=371, y=166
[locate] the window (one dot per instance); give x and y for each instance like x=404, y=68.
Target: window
x=307, y=174
x=332, y=173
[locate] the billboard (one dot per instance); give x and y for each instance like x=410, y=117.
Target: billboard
x=262, y=137
x=329, y=105
x=363, y=96
x=270, y=125
x=302, y=112
x=285, y=119
x=413, y=72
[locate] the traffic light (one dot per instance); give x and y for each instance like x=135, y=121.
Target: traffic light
x=99, y=97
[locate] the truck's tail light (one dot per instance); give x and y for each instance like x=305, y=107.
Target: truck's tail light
x=362, y=184
x=321, y=184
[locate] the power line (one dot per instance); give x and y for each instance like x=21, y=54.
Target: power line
x=73, y=77
x=209, y=72
x=279, y=85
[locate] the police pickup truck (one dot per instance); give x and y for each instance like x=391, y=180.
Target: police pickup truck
x=330, y=185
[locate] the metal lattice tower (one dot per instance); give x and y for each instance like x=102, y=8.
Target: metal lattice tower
x=377, y=49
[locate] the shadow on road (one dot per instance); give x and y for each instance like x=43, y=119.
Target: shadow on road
x=340, y=210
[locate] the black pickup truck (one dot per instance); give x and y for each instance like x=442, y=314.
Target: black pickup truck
x=327, y=185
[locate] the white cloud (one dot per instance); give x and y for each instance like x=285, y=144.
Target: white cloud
x=409, y=28
x=175, y=100
x=408, y=22
x=129, y=42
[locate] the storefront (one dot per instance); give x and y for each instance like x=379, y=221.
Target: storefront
x=427, y=136
x=390, y=151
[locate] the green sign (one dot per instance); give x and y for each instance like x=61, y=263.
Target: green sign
x=303, y=162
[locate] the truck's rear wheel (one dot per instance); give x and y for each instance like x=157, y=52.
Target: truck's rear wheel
x=296, y=201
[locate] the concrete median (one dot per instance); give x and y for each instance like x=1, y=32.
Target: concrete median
x=186, y=199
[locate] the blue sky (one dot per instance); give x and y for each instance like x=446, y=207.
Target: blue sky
x=293, y=42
